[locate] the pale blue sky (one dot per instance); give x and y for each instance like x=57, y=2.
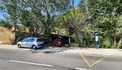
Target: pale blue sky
x=77, y=2
x=2, y=13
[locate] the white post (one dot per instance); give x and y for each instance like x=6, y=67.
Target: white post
x=69, y=40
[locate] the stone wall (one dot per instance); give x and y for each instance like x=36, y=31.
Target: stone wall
x=6, y=36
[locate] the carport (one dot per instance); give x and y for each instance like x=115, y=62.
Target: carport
x=64, y=38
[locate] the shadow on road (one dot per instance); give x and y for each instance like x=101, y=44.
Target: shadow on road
x=50, y=50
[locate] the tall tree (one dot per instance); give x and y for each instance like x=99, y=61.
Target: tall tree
x=39, y=15
x=105, y=15
x=12, y=8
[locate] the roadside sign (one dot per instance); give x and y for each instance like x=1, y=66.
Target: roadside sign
x=96, y=39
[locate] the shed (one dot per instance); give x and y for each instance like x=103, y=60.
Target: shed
x=65, y=38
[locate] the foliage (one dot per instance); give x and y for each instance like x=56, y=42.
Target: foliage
x=105, y=15
x=76, y=21
x=38, y=15
x=21, y=35
x=44, y=16
x=5, y=24
x=120, y=44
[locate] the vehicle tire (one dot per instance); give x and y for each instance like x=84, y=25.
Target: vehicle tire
x=34, y=47
x=19, y=46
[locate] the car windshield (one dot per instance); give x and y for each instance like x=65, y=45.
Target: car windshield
x=58, y=40
x=25, y=40
x=31, y=40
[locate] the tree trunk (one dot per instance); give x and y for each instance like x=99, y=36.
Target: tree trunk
x=114, y=38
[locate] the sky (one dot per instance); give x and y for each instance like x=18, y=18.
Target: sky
x=76, y=2
x=2, y=13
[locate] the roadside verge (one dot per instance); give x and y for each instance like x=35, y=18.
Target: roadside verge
x=93, y=51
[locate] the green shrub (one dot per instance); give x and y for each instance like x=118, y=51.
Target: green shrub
x=107, y=43
x=119, y=45
x=78, y=40
x=21, y=35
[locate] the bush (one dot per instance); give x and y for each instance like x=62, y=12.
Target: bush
x=21, y=35
x=107, y=43
x=120, y=44
x=78, y=40
x=74, y=44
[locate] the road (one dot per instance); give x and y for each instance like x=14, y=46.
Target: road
x=32, y=60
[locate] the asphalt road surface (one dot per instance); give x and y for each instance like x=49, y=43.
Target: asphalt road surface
x=33, y=60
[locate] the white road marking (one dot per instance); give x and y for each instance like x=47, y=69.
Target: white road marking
x=82, y=69
x=31, y=63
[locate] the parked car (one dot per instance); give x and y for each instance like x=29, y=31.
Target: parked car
x=31, y=42
x=57, y=42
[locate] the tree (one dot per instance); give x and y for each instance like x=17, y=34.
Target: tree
x=5, y=24
x=38, y=15
x=105, y=15
x=74, y=23
x=12, y=8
